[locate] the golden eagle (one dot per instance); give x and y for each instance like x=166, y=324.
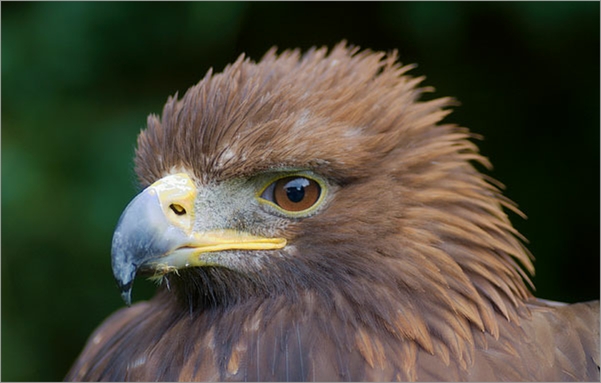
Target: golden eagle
x=309, y=218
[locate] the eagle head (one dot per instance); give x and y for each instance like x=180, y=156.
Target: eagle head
x=321, y=175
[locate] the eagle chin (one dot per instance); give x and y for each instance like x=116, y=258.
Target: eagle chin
x=308, y=217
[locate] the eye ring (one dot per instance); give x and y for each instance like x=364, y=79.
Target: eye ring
x=293, y=195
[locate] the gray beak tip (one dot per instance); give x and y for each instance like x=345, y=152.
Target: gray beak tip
x=126, y=295
x=143, y=233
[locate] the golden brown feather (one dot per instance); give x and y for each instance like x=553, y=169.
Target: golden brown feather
x=413, y=271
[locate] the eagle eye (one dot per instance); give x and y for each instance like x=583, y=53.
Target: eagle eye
x=293, y=194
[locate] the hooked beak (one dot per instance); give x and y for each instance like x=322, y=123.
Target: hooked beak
x=155, y=233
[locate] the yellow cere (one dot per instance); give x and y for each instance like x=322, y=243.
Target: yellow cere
x=176, y=194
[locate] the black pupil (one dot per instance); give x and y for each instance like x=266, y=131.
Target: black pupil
x=295, y=189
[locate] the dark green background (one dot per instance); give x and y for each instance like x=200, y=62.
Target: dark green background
x=79, y=79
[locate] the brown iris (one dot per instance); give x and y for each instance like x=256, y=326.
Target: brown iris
x=293, y=193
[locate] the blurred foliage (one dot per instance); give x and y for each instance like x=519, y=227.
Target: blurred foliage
x=79, y=79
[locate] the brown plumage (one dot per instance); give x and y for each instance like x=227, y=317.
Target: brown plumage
x=407, y=269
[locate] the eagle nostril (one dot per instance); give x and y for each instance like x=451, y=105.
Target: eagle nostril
x=177, y=209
